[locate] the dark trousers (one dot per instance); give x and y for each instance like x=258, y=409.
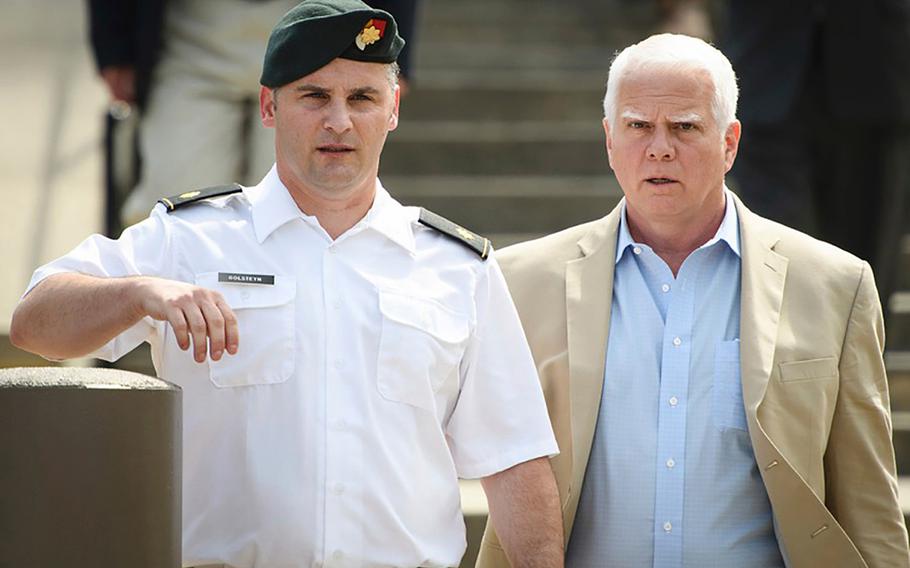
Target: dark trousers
x=843, y=182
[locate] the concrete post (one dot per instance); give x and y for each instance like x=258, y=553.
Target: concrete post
x=90, y=469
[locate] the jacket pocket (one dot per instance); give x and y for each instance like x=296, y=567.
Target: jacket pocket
x=265, y=318
x=808, y=370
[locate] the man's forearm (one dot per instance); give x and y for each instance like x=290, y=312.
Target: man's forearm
x=525, y=511
x=71, y=315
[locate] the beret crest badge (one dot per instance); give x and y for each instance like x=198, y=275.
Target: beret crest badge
x=372, y=32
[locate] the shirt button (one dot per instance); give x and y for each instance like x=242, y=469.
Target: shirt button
x=338, y=363
x=336, y=304
x=677, y=341
x=332, y=250
x=245, y=295
x=673, y=401
x=338, y=488
x=340, y=425
x=671, y=463
x=338, y=555
x=636, y=250
x=665, y=287
x=668, y=527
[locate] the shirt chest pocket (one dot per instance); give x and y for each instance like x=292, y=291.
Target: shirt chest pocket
x=265, y=318
x=727, y=400
x=420, y=346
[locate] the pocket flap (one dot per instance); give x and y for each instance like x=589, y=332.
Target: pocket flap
x=424, y=314
x=809, y=369
x=241, y=296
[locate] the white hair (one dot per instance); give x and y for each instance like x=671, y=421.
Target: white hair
x=672, y=52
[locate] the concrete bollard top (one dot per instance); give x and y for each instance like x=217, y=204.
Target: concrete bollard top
x=80, y=378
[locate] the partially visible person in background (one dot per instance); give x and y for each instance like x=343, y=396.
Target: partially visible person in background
x=825, y=96
x=192, y=69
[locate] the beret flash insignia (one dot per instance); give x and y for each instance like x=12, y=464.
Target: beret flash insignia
x=372, y=32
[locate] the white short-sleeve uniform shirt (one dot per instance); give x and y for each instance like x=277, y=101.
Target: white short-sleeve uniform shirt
x=373, y=371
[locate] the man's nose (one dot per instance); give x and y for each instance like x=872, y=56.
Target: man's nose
x=338, y=118
x=661, y=147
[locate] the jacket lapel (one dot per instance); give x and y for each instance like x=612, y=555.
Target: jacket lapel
x=589, y=285
x=763, y=275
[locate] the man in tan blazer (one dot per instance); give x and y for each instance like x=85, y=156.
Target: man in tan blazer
x=811, y=394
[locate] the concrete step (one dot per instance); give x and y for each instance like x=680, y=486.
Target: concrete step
x=897, y=321
x=529, y=205
x=519, y=79
x=551, y=102
x=539, y=14
x=537, y=56
x=903, y=276
x=495, y=158
x=568, y=31
x=531, y=148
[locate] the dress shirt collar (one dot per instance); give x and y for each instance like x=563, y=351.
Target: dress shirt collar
x=273, y=206
x=727, y=232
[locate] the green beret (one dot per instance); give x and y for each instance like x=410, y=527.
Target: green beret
x=315, y=32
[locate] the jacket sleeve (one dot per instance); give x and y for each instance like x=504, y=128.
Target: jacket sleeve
x=861, y=483
x=112, y=32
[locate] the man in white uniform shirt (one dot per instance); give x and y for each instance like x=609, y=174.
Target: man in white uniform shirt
x=343, y=359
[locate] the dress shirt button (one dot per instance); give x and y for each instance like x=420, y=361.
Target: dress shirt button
x=677, y=341
x=336, y=304
x=245, y=294
x=338, y=488
x=636, y=250
x=332, y=250
x=665, y=287
x=671, y=463
x=338, y=363
x=673, y=401
x=668, y=527
x=338, y=555
x=340, y=424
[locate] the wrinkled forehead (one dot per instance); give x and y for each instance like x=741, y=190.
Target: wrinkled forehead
x=685, y=89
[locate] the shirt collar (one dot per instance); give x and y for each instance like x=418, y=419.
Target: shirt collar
x=392, y=219
x=273, y=206
x=728, y=231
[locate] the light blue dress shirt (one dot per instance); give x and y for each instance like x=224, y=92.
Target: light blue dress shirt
x=672, y=478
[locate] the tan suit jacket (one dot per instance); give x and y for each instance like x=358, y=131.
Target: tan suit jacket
x=814, y=384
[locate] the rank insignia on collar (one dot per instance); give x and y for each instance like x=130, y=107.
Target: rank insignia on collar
x=473, y=241
x=372, y=32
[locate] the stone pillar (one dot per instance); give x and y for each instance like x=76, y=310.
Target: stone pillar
x=90, y=469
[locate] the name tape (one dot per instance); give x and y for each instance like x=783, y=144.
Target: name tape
x=238, y=278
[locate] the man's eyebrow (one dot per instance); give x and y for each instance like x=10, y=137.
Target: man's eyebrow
x=364, y=91
x=632, y=115
x=311, y=88
x=308, y=87
x=687, y=117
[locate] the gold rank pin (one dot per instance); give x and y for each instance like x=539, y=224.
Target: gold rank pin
x=177, y=201
x=480, y=245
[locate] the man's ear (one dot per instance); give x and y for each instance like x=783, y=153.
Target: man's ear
x=267, y=106
x=609, y=141
x=731, y=143
x=393, y=118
